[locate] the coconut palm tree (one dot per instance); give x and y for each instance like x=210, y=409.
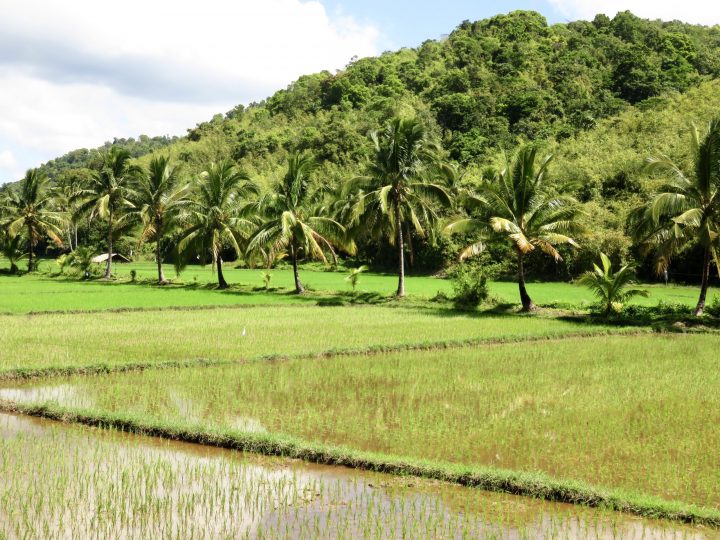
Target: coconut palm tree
x=612, y=289
x=109, y=195
x=159, y=199
x=402, y=189
x=292, y=222
x=215, y=214
x=686, y=209
x=12, y=248
x=29, y=208
x=518, y=204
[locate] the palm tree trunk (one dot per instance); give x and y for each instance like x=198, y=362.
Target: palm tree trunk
x=221, y=279
x=299, y=289
x=700, y=308
x=75, y=229
x=158, y=258
x=401, y=260
x=108, y=263
x=30, y=250
x=527, y=303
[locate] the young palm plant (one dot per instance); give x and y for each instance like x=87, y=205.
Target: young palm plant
x=215, y=216
x=29, y=208
x=292, y=222
x=686, y=209
x=109, y=195
x=518, y=204
x=159, y=200
x=354, y=276
x=402, y=190
x=612, y=289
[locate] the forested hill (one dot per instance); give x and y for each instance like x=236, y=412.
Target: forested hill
x=600, y=94
x=488, y=84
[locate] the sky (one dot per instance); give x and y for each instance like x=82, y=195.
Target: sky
x=77, y=73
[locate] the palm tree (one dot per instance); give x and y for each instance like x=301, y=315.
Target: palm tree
x=12, y=248
x=611, y=288
x=159, y=199
x=354, y=276
x=292, y=222
x=398, y=193
x=215, y=215
x=29, y=208
x=518, y=204
x=686, y=209
x=109, y=194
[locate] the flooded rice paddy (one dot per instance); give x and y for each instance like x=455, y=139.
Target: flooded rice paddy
x=66, y=481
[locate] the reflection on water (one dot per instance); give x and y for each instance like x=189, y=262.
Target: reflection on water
x=69, y=481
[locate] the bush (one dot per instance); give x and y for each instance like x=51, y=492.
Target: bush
x=469, y=282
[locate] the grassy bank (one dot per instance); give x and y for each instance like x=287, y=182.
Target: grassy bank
x=521, y=406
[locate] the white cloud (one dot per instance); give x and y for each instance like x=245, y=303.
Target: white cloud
x=692, y=11
x=77, y=73
x=9, y=166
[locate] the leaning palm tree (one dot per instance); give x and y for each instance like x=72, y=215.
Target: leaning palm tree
x=518, y=204
x=158, y=200
x=215, y=214
x=686, y=209
x=29, y=208
x=402, y=189
x=109, y=195
x=292, y=223
x=612, y=289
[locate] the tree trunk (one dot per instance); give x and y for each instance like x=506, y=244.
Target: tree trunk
x=30, y=250
x=700, y=308
x=411, y=249
x=401, y=260
x=527, y=303
x=158, y=258
x=299, y=289
x=75, y=229
x=108, y=263
x=221, y=279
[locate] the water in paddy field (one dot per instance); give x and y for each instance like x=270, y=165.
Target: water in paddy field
x=66, y=481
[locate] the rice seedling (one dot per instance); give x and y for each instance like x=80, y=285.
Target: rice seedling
x=63, y=481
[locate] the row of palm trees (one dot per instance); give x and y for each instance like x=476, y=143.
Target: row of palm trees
x=407, y=189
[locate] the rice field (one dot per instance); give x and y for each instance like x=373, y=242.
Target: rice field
x=53, y=341
x=81, y=483
x=551, y=405
x=196, y=287
x=550, y=408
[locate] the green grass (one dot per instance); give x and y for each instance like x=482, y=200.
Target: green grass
x=602, y=411
x=68, y=481
x=58, y=341
x=39, y=292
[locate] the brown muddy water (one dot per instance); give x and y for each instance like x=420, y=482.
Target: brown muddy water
x=67, y=481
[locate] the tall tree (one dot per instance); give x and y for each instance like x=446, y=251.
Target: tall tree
x=30, y=208
x=402, y=189
x=687, y=208
x=519, y=204
x=158, y=200
x=215, y=214
x=109, y=194
x=292, y=222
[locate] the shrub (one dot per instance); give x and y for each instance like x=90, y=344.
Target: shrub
x=469, y=282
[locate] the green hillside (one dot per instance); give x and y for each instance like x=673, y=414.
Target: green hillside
x=600, y=95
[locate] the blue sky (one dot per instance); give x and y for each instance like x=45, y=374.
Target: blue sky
x=77, y=73
x=407, y=24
